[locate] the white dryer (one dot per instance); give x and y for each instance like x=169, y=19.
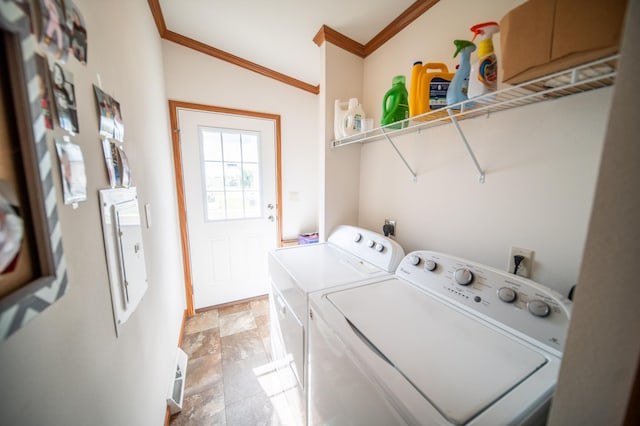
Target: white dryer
x=350, y=255
x=445, y=341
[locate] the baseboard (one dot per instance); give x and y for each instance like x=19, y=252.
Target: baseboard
x=224, y=305
x=184, y=321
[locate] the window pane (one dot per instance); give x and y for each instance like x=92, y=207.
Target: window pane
x=250, y=148
x=211, y=145
x=215, y=206
x=251, y=177
x=231, y=146
x=252, y=204
x=235, y=208
x=232, y=175
x=214, y=179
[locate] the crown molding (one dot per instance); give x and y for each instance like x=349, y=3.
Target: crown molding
x=325, y=33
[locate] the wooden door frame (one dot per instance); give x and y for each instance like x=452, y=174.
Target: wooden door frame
x=177, y=164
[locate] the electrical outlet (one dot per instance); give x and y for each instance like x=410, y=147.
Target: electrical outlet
x=393, y=226
x=525, y=266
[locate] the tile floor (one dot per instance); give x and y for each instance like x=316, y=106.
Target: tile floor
x=230, y=378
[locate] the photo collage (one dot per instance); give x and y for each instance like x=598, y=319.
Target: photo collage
x=59, y=28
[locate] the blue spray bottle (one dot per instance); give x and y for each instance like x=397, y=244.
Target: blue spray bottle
x=459, y=86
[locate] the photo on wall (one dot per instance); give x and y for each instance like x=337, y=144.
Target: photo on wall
x=112, y=163
x=44, y=90
x=77, y=32
x=72, y=171
x=110, y=115
x=65, y=98
x=54, y=35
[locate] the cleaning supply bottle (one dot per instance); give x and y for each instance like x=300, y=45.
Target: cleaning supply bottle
x=414, y=86
x=483, y=78
x=339, y=114
x=395, y=104
x=459, y=86
x=352, y=122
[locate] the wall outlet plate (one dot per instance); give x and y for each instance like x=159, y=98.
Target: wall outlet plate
x=525, y=267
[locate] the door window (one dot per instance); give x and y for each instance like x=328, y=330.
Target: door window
x=231, y=173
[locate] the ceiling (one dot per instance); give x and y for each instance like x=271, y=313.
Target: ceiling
x=278, y=34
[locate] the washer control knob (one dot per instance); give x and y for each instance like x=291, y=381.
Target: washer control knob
x=463, y=276
x=379, y=247
x=414, y=260
x=539, y=308
x=357, y=237
x=370, y=243
x=507, y=295
x=430, y=265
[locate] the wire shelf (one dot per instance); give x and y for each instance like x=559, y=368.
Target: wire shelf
x=582, y=78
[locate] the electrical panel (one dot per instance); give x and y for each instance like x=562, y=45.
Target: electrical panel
x=122, y=229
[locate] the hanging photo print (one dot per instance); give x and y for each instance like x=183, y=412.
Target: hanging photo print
x=111, y=161
x=44, y=90
x=77, y=32
x=55, y=36
x=74, y=179
x=125, y=170
x=111, y=124
x=118, y=125
x=65, y=98
x=105, y=112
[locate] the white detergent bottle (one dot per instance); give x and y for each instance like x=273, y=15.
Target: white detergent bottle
x=340, y=112
x=483, y=78
x=352, y=122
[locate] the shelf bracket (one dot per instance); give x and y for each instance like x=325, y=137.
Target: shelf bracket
x=466, y=144
x=415, y=176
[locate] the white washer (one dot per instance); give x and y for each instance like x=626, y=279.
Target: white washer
x=350, y=255
x=443, y=342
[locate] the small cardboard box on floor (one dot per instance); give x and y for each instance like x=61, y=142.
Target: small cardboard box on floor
x=541, y=37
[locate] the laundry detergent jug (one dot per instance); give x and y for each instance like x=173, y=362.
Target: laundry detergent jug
x=395, y=104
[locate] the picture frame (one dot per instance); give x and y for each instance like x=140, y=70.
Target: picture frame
x=25, y=139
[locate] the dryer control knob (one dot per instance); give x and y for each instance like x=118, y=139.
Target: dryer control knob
x=430, y=265
x=507, y=294
x=463, y=276
x=370, y=243
x=414, y=260
x=379, y=247
x=539, y=308
x=357, y=237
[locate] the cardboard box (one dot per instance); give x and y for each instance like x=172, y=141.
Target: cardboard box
x=541, y=37
x=526, y=38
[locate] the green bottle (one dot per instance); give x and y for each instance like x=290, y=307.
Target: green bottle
x=395, y=105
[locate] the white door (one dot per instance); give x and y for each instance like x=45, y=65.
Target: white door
x=229, y=171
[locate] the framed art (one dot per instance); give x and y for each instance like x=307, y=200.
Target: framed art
x=35, y=277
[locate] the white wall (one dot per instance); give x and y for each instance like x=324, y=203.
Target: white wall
x=66, y=366
x=540, y=161
x=194, y=77
x=340, y=169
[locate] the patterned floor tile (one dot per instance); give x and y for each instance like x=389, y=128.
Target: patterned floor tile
x=236, y=322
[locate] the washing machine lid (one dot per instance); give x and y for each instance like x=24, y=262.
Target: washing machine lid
x=320, y=266
x=458, y=364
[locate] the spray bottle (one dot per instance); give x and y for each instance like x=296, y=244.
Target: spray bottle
x=483, y=78
x=459, y=86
